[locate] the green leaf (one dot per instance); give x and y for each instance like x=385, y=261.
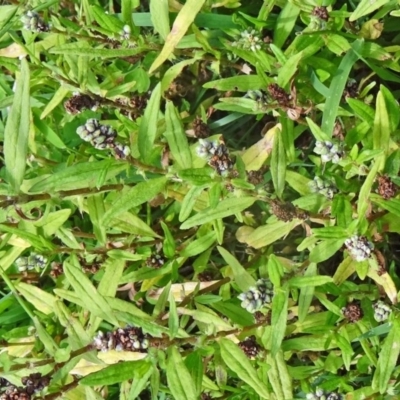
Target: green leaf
x=238, y=362
x=160, y=17
x=285, y=23
x=16, y=132
x=325, y=250
x=58, y=97
x=278, y=165
x=318, y=133
x=76, y=49
x=6, y=14
x=176, y=137
x=194, y=363
x=346, y=268
x=199, y=245
x=270, y=233
x=392, y=108
x=78, y=176
x=225, y=208
x=84, y=288
x=388, y=356
x=179, y=379
x=241, y=83
x=41, y=300
x=289, y=69
x=181, y=24
x=278, y=376
x=392, y=205
x=362, y=110
x=337, y=86
x=173, y=72
x=363, y=197
x=381, y=131
x=306, y=293
x=309, y=281
x=173, y=319
x=330, y=232
x=142, y=192
x=116, y=373
x=96, y=211
x=279, y=308
x=148, y=124
x=366, y=7
x=298, y=182
x=242, y=278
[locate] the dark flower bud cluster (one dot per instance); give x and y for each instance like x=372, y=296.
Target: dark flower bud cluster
x=31, y=262
x=79, y=102
x=351, y=89
x=217, y=155
x=321, y=395
x=4, y=383
x=16, y=393
x=386, y=187
x=321, y=13
x=381, y=311
x=278, y=94
x=200, y=129
x=123, y=339
x=35, y=382
x=102, y=137
x=359, y=247
x=352, y=312
x=33, y=22
x=328, y=151
x=326, y=188
x=250, y=346
x=257, y=296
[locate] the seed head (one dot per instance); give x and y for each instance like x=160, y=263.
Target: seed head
x=256, y=297
x=359, y=247
x=381, y=311
x=352, y=312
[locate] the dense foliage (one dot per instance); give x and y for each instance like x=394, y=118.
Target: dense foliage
x=199, y=199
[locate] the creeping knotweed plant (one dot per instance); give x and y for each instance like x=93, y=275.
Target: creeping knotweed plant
x=381, y=311
x=31, y=262
x=217, y=155
x=359, y=247
x=248, y=40
x=324, y=187
x=328, y=151
x=122, y=339
x=102, y=137
x=257, y=296
x=33, y=22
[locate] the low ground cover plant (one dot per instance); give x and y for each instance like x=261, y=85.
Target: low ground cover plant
x=199, y=199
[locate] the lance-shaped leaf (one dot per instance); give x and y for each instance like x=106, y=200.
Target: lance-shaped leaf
x=148, y=124
x=236, y=360
x=278, y=319
x=179, y=379
x=278, y=165
x=181, y=24
x=176, y=137
x=16, y=132
x=224, y=209
x=142, y=192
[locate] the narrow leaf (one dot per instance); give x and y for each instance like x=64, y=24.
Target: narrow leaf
x=142, y=192
x=176, y=137
x=278, y=319
x=16, y=132
x=179, y=380
x=181, y=24
x=148, y=125
x=224, y=209
x=278, y=165
x=236, y=360
x=160, y=17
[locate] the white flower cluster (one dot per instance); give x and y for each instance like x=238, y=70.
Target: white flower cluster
x=31, y=262
x=33, y=22
x=257, y=296
x=321, y=395
x=381, y=311
x=217, y=155
x=122, y=339
x=359, y=247
x=102, y=137
x=126, y=32
x=326, y=188
x=328, y=151
x=248, y=40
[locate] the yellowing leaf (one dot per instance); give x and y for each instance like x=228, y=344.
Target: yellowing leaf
x=184, y=19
